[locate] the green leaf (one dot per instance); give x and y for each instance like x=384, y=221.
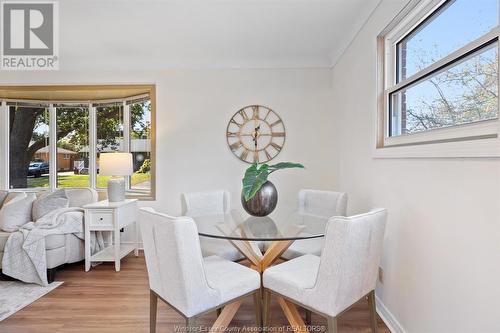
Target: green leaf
x=249, y=178
x=285, y=165
x=255, y=177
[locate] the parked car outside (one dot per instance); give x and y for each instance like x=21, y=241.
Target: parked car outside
x=37, y=169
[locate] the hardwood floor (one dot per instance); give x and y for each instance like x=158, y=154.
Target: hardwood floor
x=105, y=301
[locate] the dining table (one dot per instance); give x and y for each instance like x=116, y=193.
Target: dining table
x=263, y=240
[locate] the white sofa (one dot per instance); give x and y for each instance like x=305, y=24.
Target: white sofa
x=62, y=249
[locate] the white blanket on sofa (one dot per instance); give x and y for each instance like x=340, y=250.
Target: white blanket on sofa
x=24, y=253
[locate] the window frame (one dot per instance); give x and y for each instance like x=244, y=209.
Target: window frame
x=476, y=139
x=92, y=139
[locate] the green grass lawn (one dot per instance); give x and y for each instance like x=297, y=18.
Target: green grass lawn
x=70, y=180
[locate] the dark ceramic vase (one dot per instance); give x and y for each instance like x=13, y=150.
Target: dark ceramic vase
x=264, y=201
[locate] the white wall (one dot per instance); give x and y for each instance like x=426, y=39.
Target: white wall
x=193, y=108
x=442, y=250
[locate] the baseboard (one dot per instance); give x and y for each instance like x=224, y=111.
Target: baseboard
x=390, y=321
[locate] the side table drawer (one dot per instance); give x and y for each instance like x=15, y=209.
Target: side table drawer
x=101, y=218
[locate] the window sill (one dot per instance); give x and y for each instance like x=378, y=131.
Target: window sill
x=480, y=148
x=141, y=196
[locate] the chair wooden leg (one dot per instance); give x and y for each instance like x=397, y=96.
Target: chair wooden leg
x=308, y=317
x=332, y=325
x=153, y=307
x=373, y=311
x=257, y=299
x=225, y=317
x=265, y=309
x=293, y=315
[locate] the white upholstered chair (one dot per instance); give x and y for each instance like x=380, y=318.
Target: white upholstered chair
x=207, y=203
x=316, y=203
x=210, y=203
x=345, y=273
x=182, y=278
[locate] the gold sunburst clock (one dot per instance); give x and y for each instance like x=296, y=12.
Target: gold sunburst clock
x=255, y=134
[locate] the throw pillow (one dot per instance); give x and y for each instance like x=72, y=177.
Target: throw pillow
x=16, y=211
x=48, y=202
x=13, y=195
x=3, y=196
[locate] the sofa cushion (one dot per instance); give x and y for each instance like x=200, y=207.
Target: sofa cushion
x=3, y=196
x=56, y=257
x=16, y=212
x=55, y=246
x=51, y=241
x=48, y=202
x=12, y=195
x=55, y=241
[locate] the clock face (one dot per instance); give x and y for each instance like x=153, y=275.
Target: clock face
x=255, y=134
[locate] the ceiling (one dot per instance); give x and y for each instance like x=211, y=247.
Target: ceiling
x=154, y=34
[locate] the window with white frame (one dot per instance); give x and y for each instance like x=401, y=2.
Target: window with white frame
x=440, y=67
x=40, y=130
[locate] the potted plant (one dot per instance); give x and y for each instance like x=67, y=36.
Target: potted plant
x=259, y=196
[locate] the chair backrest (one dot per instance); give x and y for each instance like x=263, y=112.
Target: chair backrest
x=174, y=262
x=206, y=203
x=350, y=260
x=322, y=203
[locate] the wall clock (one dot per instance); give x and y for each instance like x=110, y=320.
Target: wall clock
x=255, y=134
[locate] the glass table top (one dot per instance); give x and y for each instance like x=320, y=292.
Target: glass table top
x=289, y=225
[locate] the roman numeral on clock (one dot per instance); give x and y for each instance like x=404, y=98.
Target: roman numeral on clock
x=256, y=157
x=235, y=122
x=255, y=112
x=244, y=155
x=244, y=115
x=275, y=146
x=276, y=123
x=268, y=156
x=267, y=114
x=235, y=145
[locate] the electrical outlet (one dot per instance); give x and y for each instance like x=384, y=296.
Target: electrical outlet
x=381, y=275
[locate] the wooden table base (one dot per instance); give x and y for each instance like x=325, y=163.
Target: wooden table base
x=260, y=262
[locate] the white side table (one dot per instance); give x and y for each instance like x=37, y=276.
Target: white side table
x=110, y=217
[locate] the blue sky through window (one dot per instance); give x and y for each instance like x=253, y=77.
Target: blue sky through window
x=465, y=92
x=461, y=22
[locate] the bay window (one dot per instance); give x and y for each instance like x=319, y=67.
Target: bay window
x=57, y=143
x=73, y=136
x=29, y=135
